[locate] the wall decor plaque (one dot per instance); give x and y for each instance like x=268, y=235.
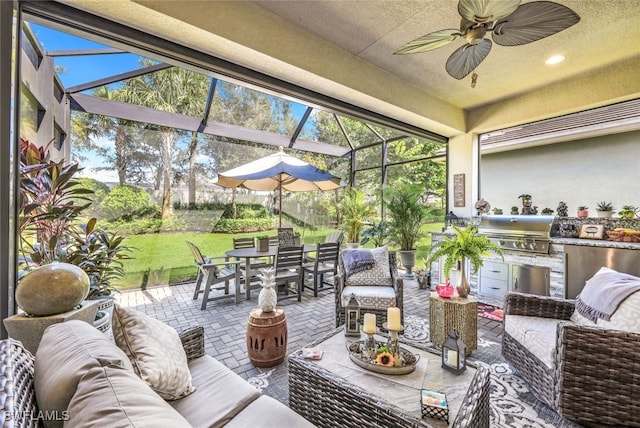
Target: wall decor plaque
x=458, y=190
x=591, y=231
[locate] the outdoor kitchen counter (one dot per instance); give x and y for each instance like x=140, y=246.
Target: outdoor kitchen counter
x=595, y=243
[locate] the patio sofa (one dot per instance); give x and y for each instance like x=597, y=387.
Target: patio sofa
x=80, y=378
x=587, y=371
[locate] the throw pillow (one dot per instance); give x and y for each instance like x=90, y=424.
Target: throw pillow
x=379, y=274
x=155, y=351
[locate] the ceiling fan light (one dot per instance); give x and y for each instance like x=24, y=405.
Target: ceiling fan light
x=475, y=35
x=555, y=59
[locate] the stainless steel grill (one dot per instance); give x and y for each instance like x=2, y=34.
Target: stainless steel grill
x=525, y=233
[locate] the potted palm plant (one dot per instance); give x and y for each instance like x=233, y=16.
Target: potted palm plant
x=354, y=211
x=408, y=215
x=465, y=244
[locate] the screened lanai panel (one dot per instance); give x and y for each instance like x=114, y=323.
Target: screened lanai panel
x=369, y=182
x=322, y=126
x=253, y=109
x=368, y=157
x=410, y=148
x=359, y=133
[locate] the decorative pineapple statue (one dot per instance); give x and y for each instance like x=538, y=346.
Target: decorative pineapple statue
x=268, y=297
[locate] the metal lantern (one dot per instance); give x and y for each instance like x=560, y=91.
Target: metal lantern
x=454, y=353
x=352, y=325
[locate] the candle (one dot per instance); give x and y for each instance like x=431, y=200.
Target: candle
x=393, y=319
x=369, y=323
x=452, y=356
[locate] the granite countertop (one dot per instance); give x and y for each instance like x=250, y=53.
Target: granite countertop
x=595, y=243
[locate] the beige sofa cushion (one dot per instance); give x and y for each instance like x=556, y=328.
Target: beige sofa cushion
x=67, y=351
x=536, y=334
x=219, y=396
x=114, y=397
x=379, y=274
x=155, y=351
x=279, y=415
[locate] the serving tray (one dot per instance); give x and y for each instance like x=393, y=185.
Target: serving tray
x=367, y=364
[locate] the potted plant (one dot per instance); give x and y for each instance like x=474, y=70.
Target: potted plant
x=547, y=211
x=377, y=233
x=408, y=215
x=497, y=211
x=514, y=210
x=51, y=201
x=466, y=244
x=263, y=243
x=605, y=209
x=628, y=211
x=583, y=212
x=354, y=211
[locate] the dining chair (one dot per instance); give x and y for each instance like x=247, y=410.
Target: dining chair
x=326, y=261
x=213, y=273
x=252, y=275
x=288, y=266
x=335, y=236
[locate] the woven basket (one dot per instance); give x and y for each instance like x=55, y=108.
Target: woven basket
x=621, y=236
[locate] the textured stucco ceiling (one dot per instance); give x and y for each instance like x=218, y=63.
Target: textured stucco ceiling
x=344, y=49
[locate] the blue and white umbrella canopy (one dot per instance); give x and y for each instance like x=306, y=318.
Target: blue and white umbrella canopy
x=276, y=172
x=279, y=171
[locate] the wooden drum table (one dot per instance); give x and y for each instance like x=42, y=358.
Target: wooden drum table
x=267, y=337
x=456, y=313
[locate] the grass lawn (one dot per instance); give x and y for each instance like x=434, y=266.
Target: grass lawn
x=164, y=258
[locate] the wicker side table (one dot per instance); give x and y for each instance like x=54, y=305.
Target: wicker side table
x=458, y=313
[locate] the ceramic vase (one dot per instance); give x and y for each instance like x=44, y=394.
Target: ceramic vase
x=268, y=298
x=463, y=285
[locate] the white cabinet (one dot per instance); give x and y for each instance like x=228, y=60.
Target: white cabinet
x=493, y=279
x=496, y=278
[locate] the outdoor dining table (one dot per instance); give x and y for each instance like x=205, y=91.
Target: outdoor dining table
x=252, y=253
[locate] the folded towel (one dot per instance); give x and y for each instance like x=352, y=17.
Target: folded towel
x=356, y=260
x=603, y=293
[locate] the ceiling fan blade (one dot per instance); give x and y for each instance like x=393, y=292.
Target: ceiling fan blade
x=428, y=42
x=483, y=11
x=466, y=58
x=533, y=21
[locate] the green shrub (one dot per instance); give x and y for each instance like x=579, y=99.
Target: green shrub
x=246, y=211
x=229, y=225
x=124, y=200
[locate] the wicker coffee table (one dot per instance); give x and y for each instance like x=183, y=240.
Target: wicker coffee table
x=333, y=391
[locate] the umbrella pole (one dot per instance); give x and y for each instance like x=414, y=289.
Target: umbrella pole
x=280, y=208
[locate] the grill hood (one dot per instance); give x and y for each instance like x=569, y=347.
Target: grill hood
x=523, y=226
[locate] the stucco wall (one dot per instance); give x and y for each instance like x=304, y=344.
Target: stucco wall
x=581, y=172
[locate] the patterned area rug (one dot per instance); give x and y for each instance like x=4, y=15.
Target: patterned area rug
x=490, y=312
x=512, y=404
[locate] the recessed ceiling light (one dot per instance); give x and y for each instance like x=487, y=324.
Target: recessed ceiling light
x=556, y=59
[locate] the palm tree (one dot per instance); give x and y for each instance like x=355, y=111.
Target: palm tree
x=172, y=90
x=86, y=126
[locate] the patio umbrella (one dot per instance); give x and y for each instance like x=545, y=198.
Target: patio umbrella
x=279, y=171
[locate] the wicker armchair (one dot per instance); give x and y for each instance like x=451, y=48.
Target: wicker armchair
x=368, y=304
x=595, y=372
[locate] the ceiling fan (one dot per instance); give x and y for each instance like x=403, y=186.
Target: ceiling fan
x=508, y=22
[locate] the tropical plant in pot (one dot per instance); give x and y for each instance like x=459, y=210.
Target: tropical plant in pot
x=628, y=211
x=354, y=212
x=404, y=205
x=51, y=204
x=466, y=244
x=377, y=233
